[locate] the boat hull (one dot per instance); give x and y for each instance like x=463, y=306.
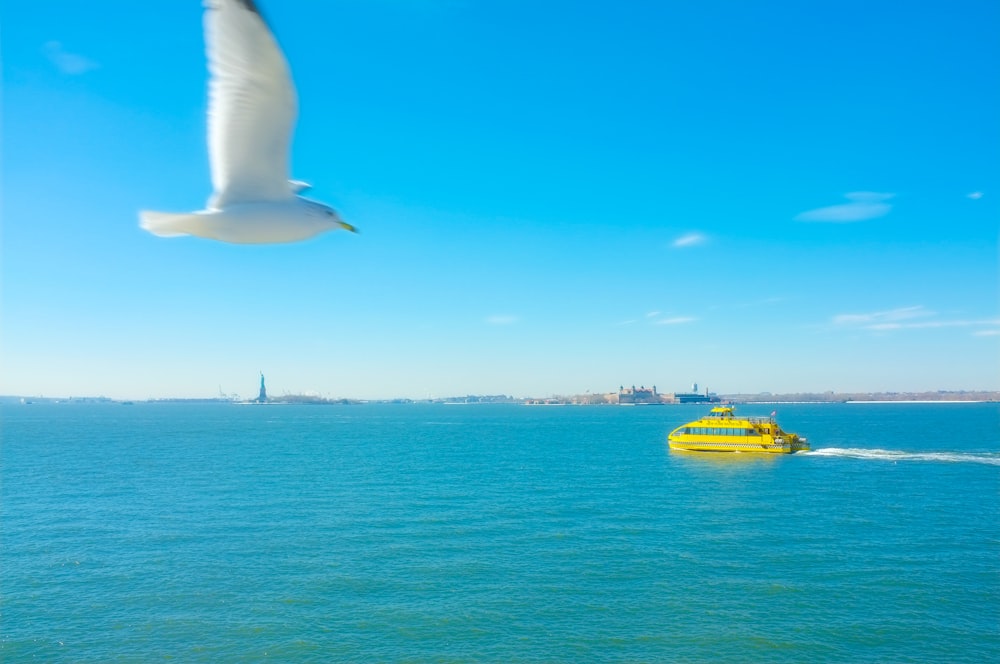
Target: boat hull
x=740, y=447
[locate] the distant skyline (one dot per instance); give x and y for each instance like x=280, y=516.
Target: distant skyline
x=552, y=197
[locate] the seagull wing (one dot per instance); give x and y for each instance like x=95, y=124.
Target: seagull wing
x=252, y=105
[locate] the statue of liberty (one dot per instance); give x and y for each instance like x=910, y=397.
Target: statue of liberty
x=262, y=397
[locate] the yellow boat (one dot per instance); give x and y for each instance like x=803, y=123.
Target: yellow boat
x=724, y=431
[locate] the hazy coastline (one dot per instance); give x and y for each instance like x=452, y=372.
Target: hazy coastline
x=609, y=399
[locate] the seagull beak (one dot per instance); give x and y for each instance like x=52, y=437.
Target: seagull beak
x=347, y=227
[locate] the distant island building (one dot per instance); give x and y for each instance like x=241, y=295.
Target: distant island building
x=640, y=395
x=694, y=396
x=648, y=395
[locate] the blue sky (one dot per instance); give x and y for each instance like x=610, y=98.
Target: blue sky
x=553, y=197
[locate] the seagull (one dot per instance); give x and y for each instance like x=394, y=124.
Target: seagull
x=252, y=108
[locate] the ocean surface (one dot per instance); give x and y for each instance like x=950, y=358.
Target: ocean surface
x=495, y=533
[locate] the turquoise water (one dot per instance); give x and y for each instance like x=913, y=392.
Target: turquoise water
x=432, y=533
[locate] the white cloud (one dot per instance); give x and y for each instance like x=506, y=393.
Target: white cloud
x=72, y=64
x=864, y=205
x=986, y=333
x=689, y=240
x=652, y=314
x=976, y=195
x=882, y=317
x=911, y=318
x=501, y=319
x=932, y=324
x=676, y=320
x=760, y=303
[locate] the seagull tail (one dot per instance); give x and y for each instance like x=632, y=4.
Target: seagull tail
x=165, y=224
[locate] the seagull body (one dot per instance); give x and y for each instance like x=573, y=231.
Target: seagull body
x=251, y=114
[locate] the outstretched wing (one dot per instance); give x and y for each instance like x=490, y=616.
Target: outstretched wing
x=252, y=105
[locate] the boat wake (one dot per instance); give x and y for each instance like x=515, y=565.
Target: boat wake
x=988, y=458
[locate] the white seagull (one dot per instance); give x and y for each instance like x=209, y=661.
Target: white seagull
x=251, y=113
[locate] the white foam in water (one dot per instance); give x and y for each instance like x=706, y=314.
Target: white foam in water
x=991, y=459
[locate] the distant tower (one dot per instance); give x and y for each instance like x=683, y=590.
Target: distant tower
x=262, y=397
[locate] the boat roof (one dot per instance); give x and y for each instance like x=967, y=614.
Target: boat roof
x=728, y=413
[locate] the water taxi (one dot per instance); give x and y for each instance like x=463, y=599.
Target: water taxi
x=724, y=431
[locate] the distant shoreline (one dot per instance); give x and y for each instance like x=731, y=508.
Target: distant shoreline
x=954, y=397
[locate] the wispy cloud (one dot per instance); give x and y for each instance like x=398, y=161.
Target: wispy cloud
x=760, y=303
x=931, y=324
x=689, y=240
x=882, y=317
x=501, y=319
x=71, y=64
x=658, y=318
x=913, y=318
x=987, y=333
x=864, y=205
x=976, y=195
